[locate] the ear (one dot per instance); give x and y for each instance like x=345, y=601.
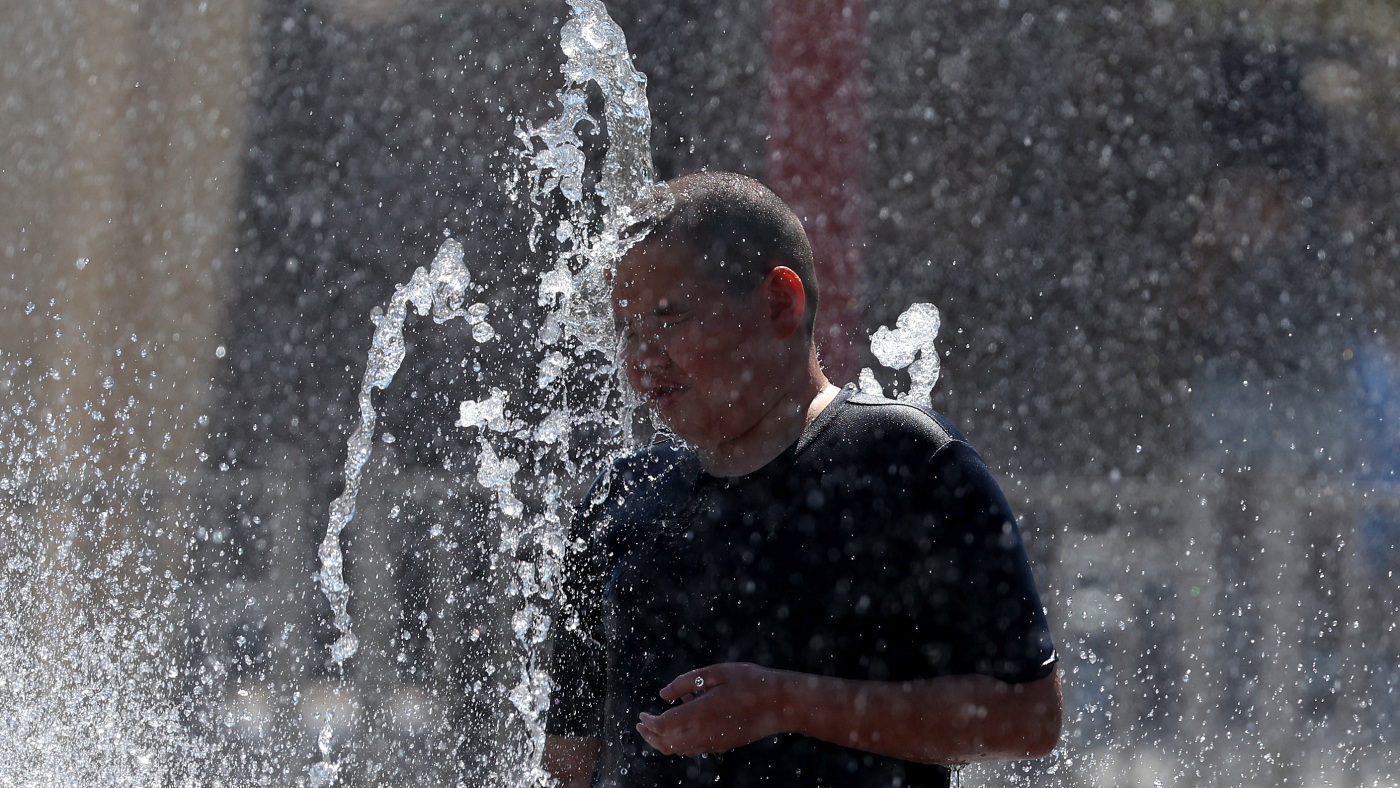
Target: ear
x=786, y=300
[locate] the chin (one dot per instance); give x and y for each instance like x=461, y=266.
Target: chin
x=680, y=429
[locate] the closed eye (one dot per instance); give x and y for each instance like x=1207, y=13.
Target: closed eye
x=668, y=315
x=662, y=319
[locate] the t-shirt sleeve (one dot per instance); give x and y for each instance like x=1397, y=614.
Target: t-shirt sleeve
x=975, y=585
x=577, y=657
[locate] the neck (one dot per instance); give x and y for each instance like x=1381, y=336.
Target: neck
x=781, y=425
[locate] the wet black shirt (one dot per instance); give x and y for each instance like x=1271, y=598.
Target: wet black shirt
x=877, y=547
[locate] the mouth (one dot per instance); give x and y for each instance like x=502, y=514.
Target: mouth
x=662, y=395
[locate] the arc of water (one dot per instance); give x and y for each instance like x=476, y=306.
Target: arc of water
x=439, y=291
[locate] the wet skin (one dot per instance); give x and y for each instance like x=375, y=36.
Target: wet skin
x=712, y=365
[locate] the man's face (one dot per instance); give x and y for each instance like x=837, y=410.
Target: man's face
x=699, y=357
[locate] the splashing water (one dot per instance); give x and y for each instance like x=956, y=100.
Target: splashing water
x=575, y=339
x=324, y=772
x=556, y=174
x=578, y=211
x=910, y=345
x=86, y=598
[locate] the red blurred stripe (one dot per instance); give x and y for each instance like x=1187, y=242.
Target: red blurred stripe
x=816, y=152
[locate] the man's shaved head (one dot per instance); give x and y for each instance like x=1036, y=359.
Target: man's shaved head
x=738, y=229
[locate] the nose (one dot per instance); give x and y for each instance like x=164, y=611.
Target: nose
x=645, y=352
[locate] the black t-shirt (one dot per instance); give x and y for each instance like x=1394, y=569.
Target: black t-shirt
x=877, y=547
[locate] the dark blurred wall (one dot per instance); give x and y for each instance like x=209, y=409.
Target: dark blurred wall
x=374, y=140
x=1050, y=178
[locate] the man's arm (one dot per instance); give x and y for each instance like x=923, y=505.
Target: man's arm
x=947, y=720
x=571, y=761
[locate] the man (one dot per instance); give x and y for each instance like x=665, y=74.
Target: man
x=809, y=586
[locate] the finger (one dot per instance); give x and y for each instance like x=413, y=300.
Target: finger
x=666, y=724
x=646, y=725
x=651, y=722
x=650, y=737
x=660, y=733
x=692, y=682
x=670, y=744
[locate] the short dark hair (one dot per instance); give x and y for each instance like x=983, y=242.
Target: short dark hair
x=739, y=229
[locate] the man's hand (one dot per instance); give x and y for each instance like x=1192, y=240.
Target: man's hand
x=948, y=720
x=721, y=707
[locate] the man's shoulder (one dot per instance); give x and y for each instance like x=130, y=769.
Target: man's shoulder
x=880, y=419
x=641, y=481
x=656, y=462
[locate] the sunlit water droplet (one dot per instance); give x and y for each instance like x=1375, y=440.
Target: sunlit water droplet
x=910, y=345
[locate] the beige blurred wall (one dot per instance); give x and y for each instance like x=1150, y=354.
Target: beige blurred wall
x=122, y=137
x=123, y=128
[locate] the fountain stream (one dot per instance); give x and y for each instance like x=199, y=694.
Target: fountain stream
x=574, y=343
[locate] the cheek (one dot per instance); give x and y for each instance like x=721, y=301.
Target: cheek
x=697, y=344
x=687, y=344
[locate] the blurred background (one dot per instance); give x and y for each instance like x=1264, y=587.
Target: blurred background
x=1161, y=235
